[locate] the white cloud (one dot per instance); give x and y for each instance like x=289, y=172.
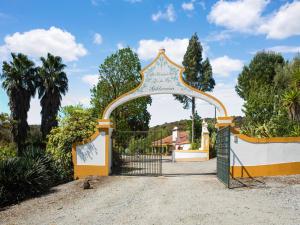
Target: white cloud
x=246, y=16
x=91, y=79
x=282, y=49
x=241, y=15
x=283, y=23
x=168, y=15
x=218, y=36
x=39, y=42
x=224, y=66
x=96, y=2
x=227, y=95
x=188, y=6
x=133, y=1
x=98, y=39
x=175, y=48
x=120, y=45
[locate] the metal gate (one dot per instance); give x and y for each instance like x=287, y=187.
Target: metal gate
x=137, y=153
x=223, y=155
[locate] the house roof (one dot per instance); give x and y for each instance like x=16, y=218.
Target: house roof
x=183, y=138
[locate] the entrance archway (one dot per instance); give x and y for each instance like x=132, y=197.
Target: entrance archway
x=162, y=76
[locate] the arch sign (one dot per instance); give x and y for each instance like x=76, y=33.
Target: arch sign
x=162, y=76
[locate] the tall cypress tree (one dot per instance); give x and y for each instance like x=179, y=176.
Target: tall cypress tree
x=198, y=74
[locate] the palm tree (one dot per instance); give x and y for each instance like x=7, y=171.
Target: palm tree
x=291, y=100
x=19, y=82
x=52, y=83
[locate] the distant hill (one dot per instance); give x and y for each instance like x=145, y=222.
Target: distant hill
x=167, y=128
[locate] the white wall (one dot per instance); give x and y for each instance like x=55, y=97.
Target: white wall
x=92, y=153
x=186, y=146
x=245, y=153
x=189, y=155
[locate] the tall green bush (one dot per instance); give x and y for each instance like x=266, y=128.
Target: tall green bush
x=75, y=124
x=271, y=90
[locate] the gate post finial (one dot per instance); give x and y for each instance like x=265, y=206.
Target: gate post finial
x=224, y=121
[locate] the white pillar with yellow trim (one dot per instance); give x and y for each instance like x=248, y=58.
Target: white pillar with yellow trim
x=93, y=156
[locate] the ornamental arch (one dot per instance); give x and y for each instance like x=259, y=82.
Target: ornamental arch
x=163, y=76
x=93, y=156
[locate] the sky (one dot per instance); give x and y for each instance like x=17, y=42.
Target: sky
x=85, y=32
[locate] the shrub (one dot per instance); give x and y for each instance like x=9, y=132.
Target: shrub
x=195, y=145
x=7, y=151
x=25, y=176
x=75, y=125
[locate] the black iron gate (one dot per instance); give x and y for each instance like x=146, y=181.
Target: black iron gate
x=223, y=155
x=137, y=153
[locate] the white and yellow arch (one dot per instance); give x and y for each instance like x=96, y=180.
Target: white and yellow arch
x=162, y=76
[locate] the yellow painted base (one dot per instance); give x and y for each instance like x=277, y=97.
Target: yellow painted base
x=266, y=170
x=84, y=171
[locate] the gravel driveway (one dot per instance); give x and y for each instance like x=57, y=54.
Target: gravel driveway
x=188, y=193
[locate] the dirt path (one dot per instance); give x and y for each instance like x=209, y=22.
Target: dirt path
x=181, y=197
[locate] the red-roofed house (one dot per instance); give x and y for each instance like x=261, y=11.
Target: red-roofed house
x=179, y=140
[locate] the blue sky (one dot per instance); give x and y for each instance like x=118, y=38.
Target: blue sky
x=85, y=32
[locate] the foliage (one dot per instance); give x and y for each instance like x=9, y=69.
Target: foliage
x=5, y=129
x=197, y=128
x=212, y=137
x=198, y=74
x=117, y=75
x=19, y=82
x=52, y=83
x=27, y=175
x=75, y=124
x=35, y=137
x=7, y=151
x=287, y=80
x=291, y=101
x=270, y=88
x=195, y=145
x=260, y=73
x=167, y=128
x=142, y=143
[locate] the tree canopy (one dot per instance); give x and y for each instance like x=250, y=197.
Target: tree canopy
x=120, y=73
x=198, y=74
x=52, y=83
x=270, y=88
x=19, y=82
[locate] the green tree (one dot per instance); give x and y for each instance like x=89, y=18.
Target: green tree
x=287, y=81
x=270, y=88
x=197, y=128
x=19, y=82
x=198, y=74
x=52, y=84
x=117, y=75
x=260, y=72
x=75, y=124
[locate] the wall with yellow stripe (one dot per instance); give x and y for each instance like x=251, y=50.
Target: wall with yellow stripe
x=253, y=157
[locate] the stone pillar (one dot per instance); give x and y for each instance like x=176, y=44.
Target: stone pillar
x=204, y=137
x=93, y=156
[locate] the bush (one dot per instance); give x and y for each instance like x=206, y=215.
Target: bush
x=7, y=151
x=22, y=177
x=75, y=125
x=195, y=145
